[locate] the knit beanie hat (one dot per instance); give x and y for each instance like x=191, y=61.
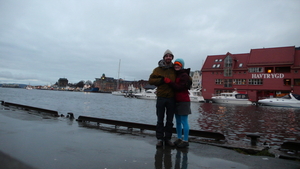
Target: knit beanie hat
x=168, y=52
x=179, y=62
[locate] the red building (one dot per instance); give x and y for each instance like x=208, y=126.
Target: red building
x=261, y=73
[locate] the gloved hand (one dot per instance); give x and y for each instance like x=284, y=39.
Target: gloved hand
x=167, y=80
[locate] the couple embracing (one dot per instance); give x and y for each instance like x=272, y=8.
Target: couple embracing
x=172, y=82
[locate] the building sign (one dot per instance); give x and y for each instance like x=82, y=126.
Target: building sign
x=268, y=76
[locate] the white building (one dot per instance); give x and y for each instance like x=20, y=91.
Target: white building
x=197, y=77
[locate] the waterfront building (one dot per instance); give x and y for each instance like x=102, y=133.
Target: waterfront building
x=109, y=84
x=10, y=85
x=262, y=73
x=62, y=82
x=105, y=84
x=196, y=76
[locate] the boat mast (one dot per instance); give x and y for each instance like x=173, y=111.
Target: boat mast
x=118, y=75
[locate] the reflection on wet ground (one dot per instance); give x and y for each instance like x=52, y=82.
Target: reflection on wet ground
x=274, y=125
x=55, y=143
x=165, y=159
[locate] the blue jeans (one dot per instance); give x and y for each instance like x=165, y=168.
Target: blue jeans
x=164, y=106
x=182, y=122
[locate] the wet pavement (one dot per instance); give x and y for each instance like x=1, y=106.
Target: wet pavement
x=29, y=140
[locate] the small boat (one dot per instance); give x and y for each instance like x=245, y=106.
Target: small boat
x=195, y=96
x=129, y=94
x=232, y=98
x=118, y=93
x=289, y=100
x=28, y=87
x=149, y=94
x=95, y=89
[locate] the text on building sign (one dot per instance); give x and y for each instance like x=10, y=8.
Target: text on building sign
x=268, y=75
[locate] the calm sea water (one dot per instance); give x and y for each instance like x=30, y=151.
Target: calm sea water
x=274, y=124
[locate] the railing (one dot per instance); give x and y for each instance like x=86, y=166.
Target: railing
x=24, y=107
x=130, y=125
x=214, y=135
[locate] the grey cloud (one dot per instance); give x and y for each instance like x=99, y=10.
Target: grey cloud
x=80, y=40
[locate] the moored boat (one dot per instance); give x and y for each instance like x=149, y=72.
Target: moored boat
x=231, y=98
x=95, y=89
x=118, y=93
x=289, y=100
x=195, y=96
x=28, y=87
x=149, y=94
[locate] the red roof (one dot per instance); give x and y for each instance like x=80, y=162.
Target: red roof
x=240, y=60
x=216, y=62
x=272, y=56
x=264, y=56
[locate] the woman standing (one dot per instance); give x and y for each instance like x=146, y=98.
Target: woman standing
x=183, y=105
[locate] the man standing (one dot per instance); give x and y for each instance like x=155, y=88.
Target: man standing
x=165, y=103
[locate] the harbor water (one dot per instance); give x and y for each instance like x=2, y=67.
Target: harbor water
x=275, y=125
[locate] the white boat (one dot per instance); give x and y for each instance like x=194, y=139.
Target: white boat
x=118, y=93
x=149, y=94
x=290, y=100
x=28, y=87
x=231, y=98
x=195, y=96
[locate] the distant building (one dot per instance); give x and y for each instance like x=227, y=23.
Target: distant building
x=62, y=82
x=196, y=76
x=265, y=72
x=11, y=85
x=105, y=84
x=109, y=84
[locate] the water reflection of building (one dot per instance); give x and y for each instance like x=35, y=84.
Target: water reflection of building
x=274, y=125
x=109, y=84
x=266, y=72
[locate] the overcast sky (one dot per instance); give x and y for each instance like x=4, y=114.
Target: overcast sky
x=44, y=40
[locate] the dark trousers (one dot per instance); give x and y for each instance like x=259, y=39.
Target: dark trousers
x=164, y=106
